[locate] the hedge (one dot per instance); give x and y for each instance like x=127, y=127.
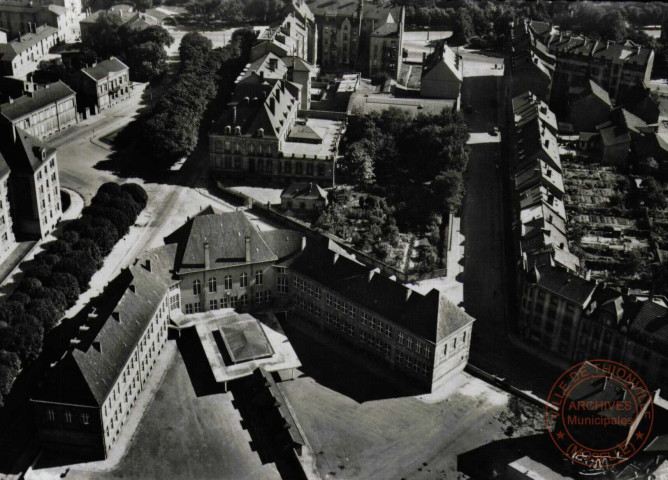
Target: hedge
x=54, y=279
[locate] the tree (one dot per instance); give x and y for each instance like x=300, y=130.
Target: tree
x=29, y=285
x=59, y=247
x=143, y=5
x=67, y=284
x=90, y=246
x=11, y=311
x=462, y=29
x=8, y=373
x=147, y=61
x=80, y=264
x=26, y=337
x=36, y=269
x=54, y=295
x=652, y=194
x=19, y=297
x=357, y=164
x=448, y=190
x=45, y=311
x=105, y=237
x=137, y=193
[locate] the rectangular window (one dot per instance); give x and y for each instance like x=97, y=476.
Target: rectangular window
x=68, y=416
x=189, y=308
x=243, y=300
x=282, y=284
x=233, y=302
x=213, y=304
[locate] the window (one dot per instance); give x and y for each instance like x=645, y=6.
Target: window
x=174, y=302
x=282, y=283
x=213, y=304
x=454, y=343
x=68, y=416
x=243, y=280
x=197, y=307
x=213, y=285
x=228, y=282
x=233, y=302
x=51, y=415
x=243, y=300
x=189, y=308
x=197, y=287
x=464, y=338
x=225, y=302
x=258, y=277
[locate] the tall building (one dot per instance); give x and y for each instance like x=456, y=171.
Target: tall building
x=42, y=112
x=262, y=136
x=34, y=189
x=359, y=36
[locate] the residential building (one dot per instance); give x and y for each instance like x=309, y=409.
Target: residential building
x=22, y=55
x=527, y=106
x=640, y=103
x=127, y=17
x=261, y=136
x=619, y=134
x=20, y=18
x=303, y=197
x=294, y=36
x=34, y=188
x=536, y=142
x=86, y=397
x=442, y=74
x=589, y=106
x=424, y=337
x=104, y=85
x=7, y=240
x=359, y=36
x=527, y=71
x=615, y=66
x=42, y=112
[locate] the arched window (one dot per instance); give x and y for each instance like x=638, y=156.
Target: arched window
x=243, y=280
x=197, y=287
x=258, y=277
x=228, y=282
x=212, y=284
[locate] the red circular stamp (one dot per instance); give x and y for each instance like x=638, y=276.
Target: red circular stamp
x=599, y=413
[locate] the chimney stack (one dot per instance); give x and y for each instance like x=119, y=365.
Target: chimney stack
x=248, y=248
x=234, y=115
x=207, y=257
x=303, y=243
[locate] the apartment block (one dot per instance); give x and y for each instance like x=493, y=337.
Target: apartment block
x=104, y=84
x=41, y=112
x=22, y=55
x=7, y=239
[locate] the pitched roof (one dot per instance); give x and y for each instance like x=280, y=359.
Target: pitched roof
x=535, y=139
x=102, y=69
x=36, y=100
x=106, y=339
x=431, y=316
x=566, y=285
x=651, y=323
x=226, y=235
x=527, y=106
x=304, y=190
x=444, y=54
x=10, y=50
x=4, y=168
x=386, y=30
x=25, y=153
x=539, y=172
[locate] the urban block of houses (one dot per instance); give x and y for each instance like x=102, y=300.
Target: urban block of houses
x=589, y=106
x=359, y=36
x=442, y=74
x=41, y=112
x=22, y=55
x=261, y=135
x=103, y=85
x=34, y=184
x=127, y=17
x=222, y=261
x=527, y=70
x=303, y=197
x=21, y=18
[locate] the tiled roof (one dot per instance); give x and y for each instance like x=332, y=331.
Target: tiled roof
x=526, y=107
x=444, y=54
x=104, y=68
x=9, y=50
x=36, y=100
x=539, y=172
x=651, y=323
x=566, y=285
x=107, y=339
x=304, y=190
x=599, y=92
x=431, y=316
x=553, y=255
x=4, y=168
x=283, y=243
x=533, y=139
x=386, y=30
x=25, y=153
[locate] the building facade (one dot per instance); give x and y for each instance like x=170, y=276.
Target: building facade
x=7, y=239
x=18, y=19
x=22, y=55
x=34, y=189
x=42, y=112
x=304, y=197
x=442, y=74
x=104, y=85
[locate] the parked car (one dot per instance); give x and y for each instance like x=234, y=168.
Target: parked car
x=494, y=131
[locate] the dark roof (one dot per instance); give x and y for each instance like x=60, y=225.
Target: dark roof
x=566, y=285
x=304, y=132
x=651, y=323
x=431, y=316
x=36, y=100
x=386, y=30
x=226, y=235
x=305, y=190
x=25, y=153
x=9, y=50
x=638, y=101
x=106, y=341
x=593, y=88
x=4, y=168
x=103, y=69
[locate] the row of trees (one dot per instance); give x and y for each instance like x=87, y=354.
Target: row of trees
x=238, y=11
x=172, y=130
x=57, y=275
x=141, y=50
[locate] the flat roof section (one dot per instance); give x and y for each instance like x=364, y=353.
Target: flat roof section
x=244, y=339
x=236, y=344
x=328, y=130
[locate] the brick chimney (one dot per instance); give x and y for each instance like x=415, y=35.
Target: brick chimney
x=207, y=256
x=248, y=248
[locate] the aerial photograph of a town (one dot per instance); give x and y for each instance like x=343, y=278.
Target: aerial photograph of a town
x=333, y=239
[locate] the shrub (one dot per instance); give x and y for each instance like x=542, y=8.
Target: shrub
x=67, y=284
x=137, y=193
